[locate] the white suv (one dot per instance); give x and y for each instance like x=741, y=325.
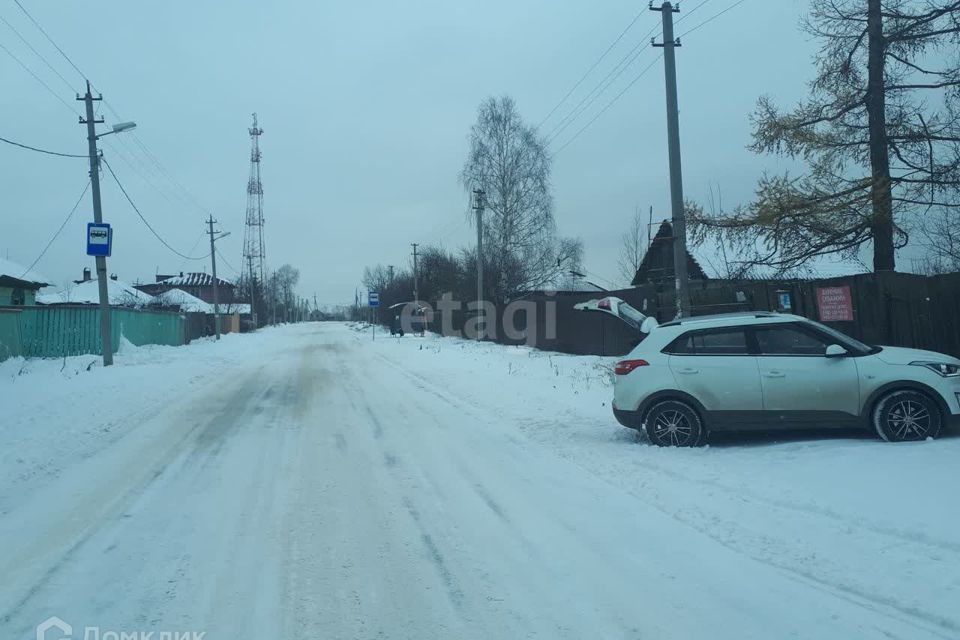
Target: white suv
x=763, y=370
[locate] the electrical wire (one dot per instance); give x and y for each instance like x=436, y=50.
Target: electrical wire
x=142, y=218
x=711, y=18
x=227, y=262
x=39, y=79
x=38, y=54
x=587, y=101
x=51, y=153
x=191, y=200
x=647, y=68
x=57, y=233
x=609, y=104
x=199, y=238
x=49, y=39
x=592, y=67
x=687, y=14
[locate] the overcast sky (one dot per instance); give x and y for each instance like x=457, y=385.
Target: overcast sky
x=366, y=108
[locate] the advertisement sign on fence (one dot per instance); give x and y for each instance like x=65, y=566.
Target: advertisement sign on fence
x=835, y=304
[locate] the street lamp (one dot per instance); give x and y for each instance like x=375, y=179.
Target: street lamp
x=106, y=332
x=120, y=127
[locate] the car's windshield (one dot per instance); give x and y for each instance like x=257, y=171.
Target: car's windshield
x=850, y=344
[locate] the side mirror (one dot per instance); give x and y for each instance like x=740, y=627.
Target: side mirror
x=836, y=351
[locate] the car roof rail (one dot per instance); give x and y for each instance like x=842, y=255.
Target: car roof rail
x=722, y=316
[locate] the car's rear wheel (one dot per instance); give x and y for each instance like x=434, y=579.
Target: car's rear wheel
x=673, y=423
x=902, y=416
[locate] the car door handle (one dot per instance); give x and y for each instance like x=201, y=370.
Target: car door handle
x=774, y=374
x=688, y=370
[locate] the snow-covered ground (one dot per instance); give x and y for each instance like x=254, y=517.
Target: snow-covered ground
x=308, y=482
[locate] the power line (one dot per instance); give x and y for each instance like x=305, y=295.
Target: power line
x=39, y=79
x=199, y=238
x=691, y=12
x=587, y=101
x=642, y=73
x=592, y=67
x=226, y=262
x=52, y=153
x=609, y=104
x=711, y=18
x=49, y=39
x=191, y=200
x=38, y=54
x=152, y=230
x=57, y=233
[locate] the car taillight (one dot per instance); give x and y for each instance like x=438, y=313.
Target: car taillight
x=624, y=367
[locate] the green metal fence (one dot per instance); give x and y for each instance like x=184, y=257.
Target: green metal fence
x=57, y=331
x=9, y=334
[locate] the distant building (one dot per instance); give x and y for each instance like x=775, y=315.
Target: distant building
x=18, y=285
x=199, y=285
x=657, y=264
x=87, y=291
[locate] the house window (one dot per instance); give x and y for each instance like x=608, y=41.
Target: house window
x=18, y=297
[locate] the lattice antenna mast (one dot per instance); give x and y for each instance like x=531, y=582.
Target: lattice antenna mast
x=254, y=250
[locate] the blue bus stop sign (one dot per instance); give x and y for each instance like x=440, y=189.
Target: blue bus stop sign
x=373, y=298
x=99, y=239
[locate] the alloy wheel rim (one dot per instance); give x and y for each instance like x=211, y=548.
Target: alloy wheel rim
x=909, y=420
x=672, y=427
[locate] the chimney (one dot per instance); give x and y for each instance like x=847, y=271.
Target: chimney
x=86, y=274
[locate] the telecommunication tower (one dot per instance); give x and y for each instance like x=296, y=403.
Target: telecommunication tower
x=253, y=246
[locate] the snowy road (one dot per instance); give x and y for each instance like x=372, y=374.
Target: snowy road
x=315, y=485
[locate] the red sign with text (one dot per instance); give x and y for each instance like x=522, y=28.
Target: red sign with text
x=835, y=304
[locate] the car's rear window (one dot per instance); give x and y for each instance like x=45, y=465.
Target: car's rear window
x=723, y=341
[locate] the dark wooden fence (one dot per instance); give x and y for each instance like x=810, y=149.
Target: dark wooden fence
x=895, y=309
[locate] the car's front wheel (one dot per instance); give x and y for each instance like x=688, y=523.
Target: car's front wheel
x=672, y=423
x=905, y=415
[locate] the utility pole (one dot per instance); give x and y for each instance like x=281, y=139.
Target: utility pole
x=478, y=205
x=416, y=276
x=673, y=147
x=213, y=268
x=106, y=331
x=390, y=271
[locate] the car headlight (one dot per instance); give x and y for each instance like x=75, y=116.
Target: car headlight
x=945, y=369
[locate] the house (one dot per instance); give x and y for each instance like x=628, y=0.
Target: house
x=199, y=285
x=183, y=301
x=19, y=285
x=87, y=291
x=657, y=265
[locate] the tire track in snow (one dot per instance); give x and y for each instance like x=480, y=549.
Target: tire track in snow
x=705, y=524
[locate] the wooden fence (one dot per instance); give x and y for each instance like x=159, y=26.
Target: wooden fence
x=896, y=309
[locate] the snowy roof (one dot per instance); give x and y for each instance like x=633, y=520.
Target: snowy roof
x=194, y=280
x=88, y=292
x=10, y=269
x=186, y=302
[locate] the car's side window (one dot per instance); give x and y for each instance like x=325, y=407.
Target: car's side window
x=788, y=340
x=711, y=342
